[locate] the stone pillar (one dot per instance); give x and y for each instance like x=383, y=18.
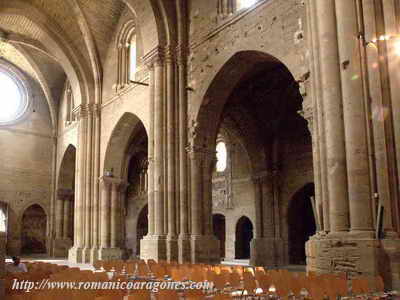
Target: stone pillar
x=59, y=214
x=359, y=185
x=334, y=126
x=346, y=96
x=62, y=243
x=155, y=246
x=184, y=237
x=172, y=242
x=264, y=245
x=105, y=212
x=67, y=217
x=204, y=248
x=110, y=218
x=76, y=253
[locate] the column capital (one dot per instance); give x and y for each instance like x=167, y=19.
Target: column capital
x=170, y=54
x=154, y=58
x=107, y=181
x=84, y=110
x=200, y=153
x=65, y=194
x=181, y=54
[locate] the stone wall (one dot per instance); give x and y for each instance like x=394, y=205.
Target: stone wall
x=26, y=159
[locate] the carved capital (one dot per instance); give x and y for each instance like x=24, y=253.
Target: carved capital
x=170, y=54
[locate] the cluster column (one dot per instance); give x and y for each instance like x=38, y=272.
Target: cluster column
x=62, y=242
x=204, y=245
x=345, y=85
x=154, y=245
x=111, y=218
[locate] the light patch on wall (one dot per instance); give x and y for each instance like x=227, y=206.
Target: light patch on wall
x=11, y=98
x=221, y=157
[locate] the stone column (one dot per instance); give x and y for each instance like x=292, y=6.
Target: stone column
x=172, y=242
x=62, y=243
x=349, y=83
x=76, y=253
x=333, y=106
x=110, y=218
x=67, y=217
x=155, y=246
x=105, y=212
x=184, y=237
x=359, y=185
x=264, y=244
x=114, y=209
x=204, y=246
x=59, y=214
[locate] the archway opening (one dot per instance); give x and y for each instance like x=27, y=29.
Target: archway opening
x=301, y=223
x=219, y=229
x=34, y=228
x=244, y=235
x=66, y=195
x=142, y=227
x=252, y=109
x=127, y=159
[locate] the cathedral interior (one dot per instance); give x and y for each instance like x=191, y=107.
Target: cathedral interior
x=264, y=132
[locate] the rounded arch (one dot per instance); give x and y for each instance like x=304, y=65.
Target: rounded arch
x=128, y=126
x=66, y=178
x=51, y=39
x=34, y=230
x=150, y=20
x=243, y=236
x=301, y=223
x=208, y=120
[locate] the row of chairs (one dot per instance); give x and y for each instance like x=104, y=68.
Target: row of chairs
x=230, y=282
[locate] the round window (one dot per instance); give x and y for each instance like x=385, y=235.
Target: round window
x=13, y=100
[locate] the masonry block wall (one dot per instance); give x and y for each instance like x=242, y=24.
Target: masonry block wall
x=27, y=153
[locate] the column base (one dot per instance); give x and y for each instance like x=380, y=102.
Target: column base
x=344, y=252
x=86, y=255
x=61, y=247
x=266, y=252
x=184, y=249
x=153, y=247
x=94, y=255
x=109, y=253
x=75, y=255
x=205, y=249
x=172, y=249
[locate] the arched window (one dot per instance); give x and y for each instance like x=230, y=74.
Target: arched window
x=222, y=157
x=243, y=4
x=228, y=8
x=3, y=216
x=128, y=55
x=132, y=58
x=3, y=221
x=69, y=98
x=14, y=99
